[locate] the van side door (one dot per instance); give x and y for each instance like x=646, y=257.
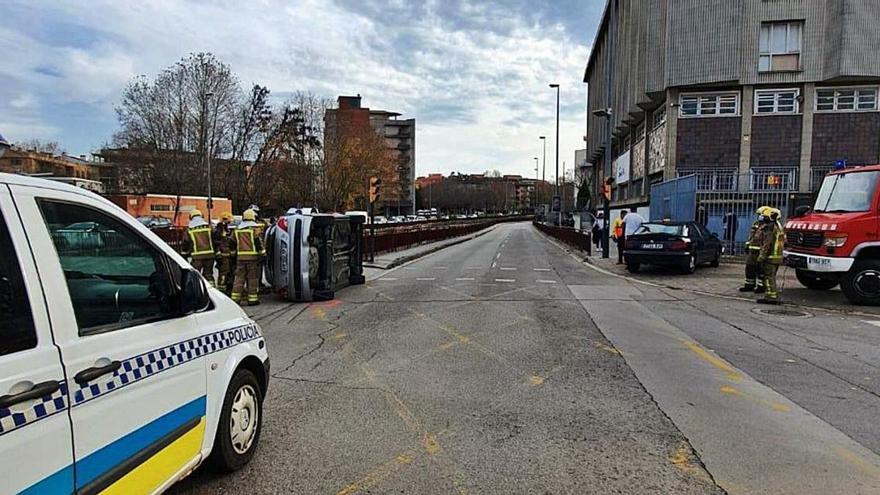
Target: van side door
x=135, y=366
x=36, y=451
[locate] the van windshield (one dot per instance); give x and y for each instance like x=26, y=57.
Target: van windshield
x=845, y=193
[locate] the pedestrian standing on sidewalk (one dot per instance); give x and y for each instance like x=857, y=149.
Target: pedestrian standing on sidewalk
x=599, y=229
x=773, y=240
x=632, y=222
x=619, y=235
x=754, y=270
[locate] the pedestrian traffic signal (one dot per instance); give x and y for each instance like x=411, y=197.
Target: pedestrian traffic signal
x=606, y=188
x=375, y=184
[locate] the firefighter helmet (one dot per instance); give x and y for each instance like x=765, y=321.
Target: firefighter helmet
x=249, y=215
x=226, y=216
x=194, y=213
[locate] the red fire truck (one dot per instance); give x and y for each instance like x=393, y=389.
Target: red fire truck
x=838, y=240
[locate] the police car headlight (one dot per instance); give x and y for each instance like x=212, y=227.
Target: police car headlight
x=835, y=241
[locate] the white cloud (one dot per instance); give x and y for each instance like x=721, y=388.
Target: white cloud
x=478, y=87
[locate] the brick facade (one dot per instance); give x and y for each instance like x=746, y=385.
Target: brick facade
x=776, y=140
x=852, y=136
x=711, y=142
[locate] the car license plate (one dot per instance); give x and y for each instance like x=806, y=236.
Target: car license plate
x=796, y=261
x=652, y=246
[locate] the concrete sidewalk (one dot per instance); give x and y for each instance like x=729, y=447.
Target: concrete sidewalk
x=385, y=261
x=727, y=279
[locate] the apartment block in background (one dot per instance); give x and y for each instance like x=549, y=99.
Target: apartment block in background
x=746, y=94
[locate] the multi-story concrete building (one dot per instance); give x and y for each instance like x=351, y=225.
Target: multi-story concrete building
x=747, y=94
x=399, y=134
x=79, y=171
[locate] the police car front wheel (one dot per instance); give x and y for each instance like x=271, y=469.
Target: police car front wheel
x=238, y=431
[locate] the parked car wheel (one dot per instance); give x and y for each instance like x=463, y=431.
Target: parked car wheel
x=716, y=261
x=632, y=267
x=238, y=431
x=691, y=265
x=813, y=280
x=861, y=284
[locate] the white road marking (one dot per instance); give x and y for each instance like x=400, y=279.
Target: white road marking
x=494, y=264
x=465, y=279
x=475, y=268
x=508, y=268
x=545, y=281
x=876, y=323
x=541, y=269
x=441, y=268
x=505, y=280
x=426, y=279
x=387, y=279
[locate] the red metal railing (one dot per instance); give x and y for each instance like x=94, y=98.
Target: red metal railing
x=568, y=235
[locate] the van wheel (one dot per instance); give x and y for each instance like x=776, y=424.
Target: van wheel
x=238, y=432
x=812, y=280
x=861, y=284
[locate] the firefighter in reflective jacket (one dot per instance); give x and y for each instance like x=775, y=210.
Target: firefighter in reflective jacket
x=223, y=252
x=770, y=256
x=198, y=246
x=249, y=251
x=754, y=273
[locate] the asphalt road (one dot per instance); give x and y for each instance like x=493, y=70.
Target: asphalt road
x=505, y=365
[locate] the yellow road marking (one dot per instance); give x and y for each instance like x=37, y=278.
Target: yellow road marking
x=339, y=336
x=857, y=461
x=607, y=348
x=372, y=478
x=319, y=313
x=776, y=406
x=683, y=460
x=715, y=361
x=536, y=380
x=431, y=445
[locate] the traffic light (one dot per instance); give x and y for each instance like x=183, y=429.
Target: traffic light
x=375, y=184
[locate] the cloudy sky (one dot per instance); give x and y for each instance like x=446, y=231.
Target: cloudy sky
x=473, y=73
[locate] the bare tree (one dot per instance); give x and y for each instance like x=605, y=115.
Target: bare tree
x=42, y=146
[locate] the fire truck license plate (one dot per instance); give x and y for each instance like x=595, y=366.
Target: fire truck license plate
x=796, y=261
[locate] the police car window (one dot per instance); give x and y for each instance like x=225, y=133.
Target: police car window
x=115, y=278
x=17, y=331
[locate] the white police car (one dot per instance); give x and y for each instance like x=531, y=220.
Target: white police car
x=120, y=371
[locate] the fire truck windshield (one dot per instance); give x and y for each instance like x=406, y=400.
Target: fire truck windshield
x=844, y=193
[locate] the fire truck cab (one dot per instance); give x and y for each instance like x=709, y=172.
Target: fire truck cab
x=838, y=240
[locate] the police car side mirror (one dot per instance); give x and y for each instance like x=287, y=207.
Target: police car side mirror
x=194, y=296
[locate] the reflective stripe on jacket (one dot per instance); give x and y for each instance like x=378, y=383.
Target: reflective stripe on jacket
x=202, y=244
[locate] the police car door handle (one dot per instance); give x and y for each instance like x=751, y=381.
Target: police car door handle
x=89, y=374
x=35, y=392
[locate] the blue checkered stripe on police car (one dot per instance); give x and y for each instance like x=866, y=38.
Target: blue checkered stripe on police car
x=42, y=408
x=156, y=361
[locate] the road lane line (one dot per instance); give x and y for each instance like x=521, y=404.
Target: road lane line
x=464, y=279
x=776, y=406
x=545, y=281
x=715, y=361
x=541, y=269
x=426, y=279
x=372, y=478
x=475, y=268
x=505, y=280
x=441, y=268
x=508, y=268
x=387, y=279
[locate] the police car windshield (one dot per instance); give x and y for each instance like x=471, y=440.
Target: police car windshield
x=846, y=193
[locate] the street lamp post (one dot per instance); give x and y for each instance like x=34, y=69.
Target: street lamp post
x=205, y=151
x=556, y=197
x=537, y=178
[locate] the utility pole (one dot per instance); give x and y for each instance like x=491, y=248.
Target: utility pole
x=205, y=154
x=609, y=95
x=556, y=196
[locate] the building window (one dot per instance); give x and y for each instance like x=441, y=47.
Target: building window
x=846, y=99
x=776, y=101
x=158, y=207
x=659, y=117
x=780, y=46
x=706, y=105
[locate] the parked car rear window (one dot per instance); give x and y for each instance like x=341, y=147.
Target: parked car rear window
x=660, y=228
x=17, y=331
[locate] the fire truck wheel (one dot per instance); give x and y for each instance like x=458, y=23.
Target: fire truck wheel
x=861, y=284
x=812, y=280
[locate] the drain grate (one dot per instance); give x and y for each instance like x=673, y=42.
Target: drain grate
x=790, y=313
